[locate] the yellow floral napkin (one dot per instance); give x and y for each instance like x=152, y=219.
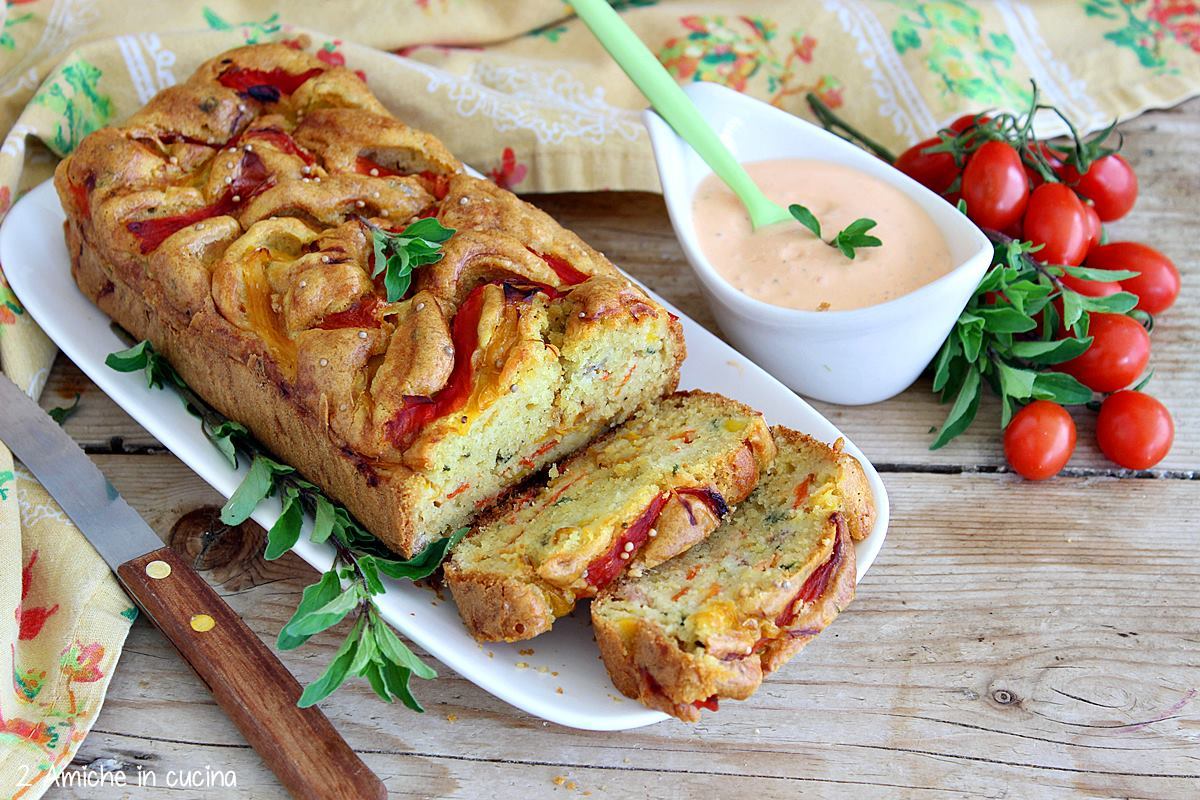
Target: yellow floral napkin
x=522, y=92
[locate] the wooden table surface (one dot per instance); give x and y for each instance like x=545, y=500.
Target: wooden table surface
x=1013, y=639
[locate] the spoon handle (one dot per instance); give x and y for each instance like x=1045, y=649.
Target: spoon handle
x=674, y=106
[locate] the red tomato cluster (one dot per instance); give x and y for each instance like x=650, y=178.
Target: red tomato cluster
x=1031, y=192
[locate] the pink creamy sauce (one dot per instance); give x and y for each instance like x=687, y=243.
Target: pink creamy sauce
x=786, y=265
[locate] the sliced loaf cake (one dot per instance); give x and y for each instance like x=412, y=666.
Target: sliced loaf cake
x=645, y=492
x=712, y=622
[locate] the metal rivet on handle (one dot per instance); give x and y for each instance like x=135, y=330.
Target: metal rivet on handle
x=158, y=570
x=202, y=623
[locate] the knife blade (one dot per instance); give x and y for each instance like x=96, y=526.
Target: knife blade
x=117, y=532
x=248, y=681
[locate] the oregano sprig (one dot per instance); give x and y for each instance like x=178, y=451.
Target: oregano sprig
x=853, y=237
x=371, y=650
x=1009, y=336
x=396, y=255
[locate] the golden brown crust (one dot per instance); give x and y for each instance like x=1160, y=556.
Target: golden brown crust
x=501, y=609
x=230, y=221
x=858, y=505
x=485, y=599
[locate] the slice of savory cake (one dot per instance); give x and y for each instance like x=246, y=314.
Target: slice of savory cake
x=644, y=493
x=712, y=622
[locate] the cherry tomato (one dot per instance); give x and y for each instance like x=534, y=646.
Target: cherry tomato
x=1039, y=440
x=1095, y=226
x=994, y=186
x=1118, y=354
x=1056, y=220
x=1134, y=429
x=935, y=171
x=969, y=121
x=1158, y=284
x=1110, y=183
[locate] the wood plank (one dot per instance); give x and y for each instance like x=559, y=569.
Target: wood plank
x=634, y=231
x=1043, y=646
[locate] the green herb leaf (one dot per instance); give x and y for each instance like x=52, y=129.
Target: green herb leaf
x=223, y=435
x=286, y=531
x=142, y=356
x=335, y=674
x=970, y=333
x=1103, y=275
x=61, y=414
x=369, y=566
x=365, y=652
x=1017, y=383
x=324, y=519
x=313, y=598
x=1052, y=352
x=397, y=255
x=1005, y=319
x=130, y=360
x=375, y=678
x=1061, y=388
x=805, y=218
x=396, y=678
x=258, y=484
x=962, y=413
x=328, y=615
x=1118, y=303
x=941, y=372
x=855, y=236
x=423, y=564
x=1072, y=308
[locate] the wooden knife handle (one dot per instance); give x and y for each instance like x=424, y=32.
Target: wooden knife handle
x=249, y=682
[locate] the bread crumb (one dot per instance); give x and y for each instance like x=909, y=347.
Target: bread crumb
x=571, y=785
x=558, y=690
x=452, y=718
x=559, y=780
x=522, y=665
x=526, y=651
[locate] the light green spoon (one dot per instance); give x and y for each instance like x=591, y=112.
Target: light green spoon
x=676, y=107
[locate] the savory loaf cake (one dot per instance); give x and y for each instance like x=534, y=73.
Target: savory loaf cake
x=238, y=222
x=646, y=492
x=712, y=622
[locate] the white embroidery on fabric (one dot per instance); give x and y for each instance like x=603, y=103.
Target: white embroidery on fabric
x=551, y=103
x=889, y=79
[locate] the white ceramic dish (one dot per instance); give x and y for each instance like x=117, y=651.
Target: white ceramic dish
x=38, y=268
x=853, y=357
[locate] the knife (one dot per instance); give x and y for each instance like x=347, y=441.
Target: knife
x=248, y=681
